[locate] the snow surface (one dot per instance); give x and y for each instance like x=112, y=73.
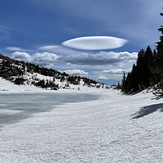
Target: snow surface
x=7, y=86
x=114, y=128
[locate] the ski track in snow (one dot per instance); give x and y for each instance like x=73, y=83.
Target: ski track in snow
x=101, y=131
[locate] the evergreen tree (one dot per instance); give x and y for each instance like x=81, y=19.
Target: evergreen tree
x=141, y=75
x=158, y=59
x=148, y=69
x=118, y=86
x=124, y=82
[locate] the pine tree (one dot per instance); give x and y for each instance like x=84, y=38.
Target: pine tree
x=140, y=77
x=118, y=86
x=158, y=59
x=148, y=69
x=160, y=43
x=124, y=82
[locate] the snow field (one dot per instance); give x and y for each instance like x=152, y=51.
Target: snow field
x=101, y=131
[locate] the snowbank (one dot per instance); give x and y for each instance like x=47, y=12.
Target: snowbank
x=114, y=128
x=9, y=87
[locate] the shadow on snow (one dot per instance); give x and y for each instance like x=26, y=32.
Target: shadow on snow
x=146, y=110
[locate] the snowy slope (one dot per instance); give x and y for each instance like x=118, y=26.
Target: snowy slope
x=29, y=74
x=114, y=128
x=7, y=86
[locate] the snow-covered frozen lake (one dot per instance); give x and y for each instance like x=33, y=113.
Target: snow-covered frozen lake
x=17, y=106
x=115, y=128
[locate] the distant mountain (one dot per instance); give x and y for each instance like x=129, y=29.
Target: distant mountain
x=22, y=73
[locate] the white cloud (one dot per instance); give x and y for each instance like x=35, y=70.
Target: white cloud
x=106, y=66
x=62, y=50
x=22, y=56
x=76, y=72
x=95, y=43
x=50, y=48
x=12, y=48
x=116, y=71
x=45, y=58
x=102, y=78
x=102, y=58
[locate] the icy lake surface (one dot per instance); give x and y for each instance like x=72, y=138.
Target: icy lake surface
x=115, y=128
x=15, y=107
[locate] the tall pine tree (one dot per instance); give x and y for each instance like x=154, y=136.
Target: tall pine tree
x=158, y=59
x=141, y=76
x=148, y=69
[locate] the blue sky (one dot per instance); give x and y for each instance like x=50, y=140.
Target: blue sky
x=96, y=39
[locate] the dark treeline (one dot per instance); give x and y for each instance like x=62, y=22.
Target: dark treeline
x=147, y=71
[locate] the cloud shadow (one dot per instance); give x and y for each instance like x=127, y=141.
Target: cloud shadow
x=146, y=110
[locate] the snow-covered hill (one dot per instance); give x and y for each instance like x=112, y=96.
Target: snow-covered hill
x=27, y=74
x=6, y=86
x=113, y=129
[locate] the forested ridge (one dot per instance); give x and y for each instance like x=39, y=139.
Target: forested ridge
x=148, y=69
x=22, y=73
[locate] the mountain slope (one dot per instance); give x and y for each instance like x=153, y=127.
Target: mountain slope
x=22, y=73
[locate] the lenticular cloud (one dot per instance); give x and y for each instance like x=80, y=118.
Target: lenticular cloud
x=95, y=43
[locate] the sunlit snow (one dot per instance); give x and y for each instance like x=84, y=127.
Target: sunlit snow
x=115, y=128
